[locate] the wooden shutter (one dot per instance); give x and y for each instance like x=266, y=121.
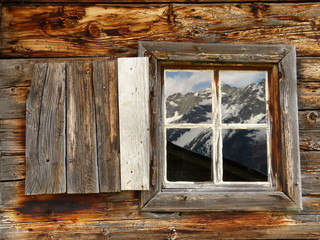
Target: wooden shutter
x=72, y=132
x=45, y=130
x=134, y=122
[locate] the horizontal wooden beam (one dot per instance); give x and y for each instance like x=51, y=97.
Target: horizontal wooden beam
x=66, y=30
x=151, y=1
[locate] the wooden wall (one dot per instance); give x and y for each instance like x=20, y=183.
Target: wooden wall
x=34, y=30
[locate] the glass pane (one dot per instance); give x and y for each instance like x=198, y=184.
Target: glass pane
x=243, y=97
x=188, y=96
x=244, y=155
x=189, y=154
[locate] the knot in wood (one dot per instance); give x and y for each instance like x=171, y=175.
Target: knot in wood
x=312, y=117
x=93, y=30
x=172, y=234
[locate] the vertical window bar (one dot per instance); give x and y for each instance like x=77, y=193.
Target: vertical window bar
x=268, y=129
x=217, y=129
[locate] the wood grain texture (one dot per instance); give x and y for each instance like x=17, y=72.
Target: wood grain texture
x=45, y=131
x=82, y=167
x=13, y=102
x=156, y=121
x=308, y=69
x=133, y=90
x=12, y=166
x=310, y=140
x=106, y=30
x=146, y=1
x=217, y=52
x=12, y=135
x=219, y=201
x=18, y=72
x=309, y=120
x=289, y=127
x=116, y=216
x=107, y=125
x=309, y=95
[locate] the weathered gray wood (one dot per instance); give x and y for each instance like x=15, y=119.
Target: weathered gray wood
x=309, y=95
x=133, y=88
x=45, y=131
x=12, y=135
x=309, y=120
x=106, y=110
x=308, y=69
x=18, y=72
x=148, y=1
x=310, y=140
x=13, y=102
x=289, y=127
x=15, y=72
x=219, y=201
x=156, y=130
x=82, y=168
x=216, y=52
x=12, y=166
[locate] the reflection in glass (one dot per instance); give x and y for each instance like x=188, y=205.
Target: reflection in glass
x=244, y=155
x=243, y=97
x=188, y=96
x=189, y=154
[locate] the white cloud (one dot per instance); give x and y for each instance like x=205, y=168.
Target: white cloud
x=241, y=79
x=187, y=81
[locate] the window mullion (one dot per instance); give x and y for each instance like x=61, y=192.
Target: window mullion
x=216, y=111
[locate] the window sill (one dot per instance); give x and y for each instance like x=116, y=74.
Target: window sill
x=220, y=201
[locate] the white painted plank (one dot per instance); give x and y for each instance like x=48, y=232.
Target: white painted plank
x=133, y=82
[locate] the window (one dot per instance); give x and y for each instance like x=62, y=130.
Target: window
x=216, y=127
x=208, y=152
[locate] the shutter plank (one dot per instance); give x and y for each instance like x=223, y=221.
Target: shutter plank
x=45, y=131
x=82, y=169
x=106, y=107
x=133, y=80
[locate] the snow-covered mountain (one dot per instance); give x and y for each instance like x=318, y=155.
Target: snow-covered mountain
x=238, y=105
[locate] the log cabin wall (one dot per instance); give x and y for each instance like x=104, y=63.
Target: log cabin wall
x=37, y=29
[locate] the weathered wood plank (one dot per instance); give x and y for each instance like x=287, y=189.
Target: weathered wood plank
x=14, y=73
x=308, y=69
x=18, y=72
x=13, y=102
x=244, y=53
x=133, y=90
x=309, y=120
x=12, y=166
x=82, y=168
x=116, y=216
x=45, y=131
x=106, y=110
x=219, y=201
x=309, y=95
x=309, y=140
x=288, y=103
x=149, y=1
x=12, y=135
x=106, y=30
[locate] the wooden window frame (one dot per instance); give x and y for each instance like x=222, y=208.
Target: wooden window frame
x=280, y=62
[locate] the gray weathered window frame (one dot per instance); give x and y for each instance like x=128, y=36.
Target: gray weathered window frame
x=287, y=195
